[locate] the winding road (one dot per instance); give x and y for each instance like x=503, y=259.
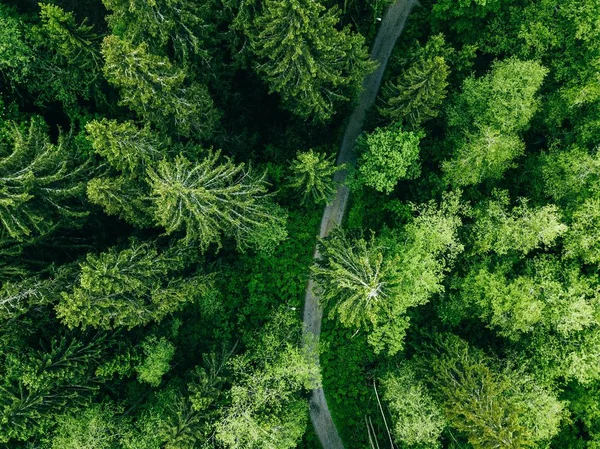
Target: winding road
x=389, y=31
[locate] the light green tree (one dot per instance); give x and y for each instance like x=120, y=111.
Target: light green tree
x=305, y=58
x=521, y=230
x=312, y=174
x=488, y=116
x=268, y=410
x=125, y=146
x=211, y=198
x=550, y=297
x=417, y=417
x=370, y=284
x=94, y=427
x=156, y=361
x=582, y=240
x=388, y=155
x=156, y=89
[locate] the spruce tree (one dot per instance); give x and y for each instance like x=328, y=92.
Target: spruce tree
x=42, y=184
x=304, y=58
x=156, y=89
x=208, y=199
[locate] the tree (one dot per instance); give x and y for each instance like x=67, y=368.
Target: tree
x=68, y=63
x=267, y=410
x=18, y=297
x=125, y=146
x=304, y=58
x=418, y=419
x=157, y=357
x=156, y=89
x=206, y=200
x=312, y=174
x=42, y=184
x=15, y=55
x=419, y=91
x=487, y=117
x=571, y=176
x=354, y=277
x=93, y=427
x=521, y=230
x=130, y=287
x=582, y=240
x=182, y=25
x=38, y=384
x=549, y=297
x=388, y=155
x=494, y=406
x=371, y=284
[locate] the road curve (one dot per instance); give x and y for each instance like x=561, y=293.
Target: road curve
x=390, y=29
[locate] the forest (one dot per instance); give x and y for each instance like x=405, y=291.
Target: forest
x=164, y=168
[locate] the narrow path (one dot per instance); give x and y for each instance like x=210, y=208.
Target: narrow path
x=390, y=29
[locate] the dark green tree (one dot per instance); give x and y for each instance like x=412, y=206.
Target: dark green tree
x=42, y=184
x=303, y=57
x=417, y=94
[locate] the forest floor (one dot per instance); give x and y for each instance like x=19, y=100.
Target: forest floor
x=389, y=31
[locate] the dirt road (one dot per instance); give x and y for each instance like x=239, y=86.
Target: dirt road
x=389, y=31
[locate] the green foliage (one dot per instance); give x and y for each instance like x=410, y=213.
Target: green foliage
x=550, y=296
x=38, y=384
x=156, y=89
x=157, y=358
x=417, y=417
x=40, y=181
x=571, y=176
x=487, y=117
x=181, y=25
x=266, y=410
x=371, y=284
x=417, y=94
x=94, y=427
x=493, y=406
x=388, y=155
x=209, y=199
x=355, y=277
x=15, y=55
x=582, y=239
x=312, y=174
x=129, y=287
x=126, y=147
x=304, y=58
x=521, y=230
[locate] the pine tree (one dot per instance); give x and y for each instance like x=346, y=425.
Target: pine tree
x=304, y=58
x=208, y=199
x=130, y=287
x=42, y=185
x=184, y=26
x=419, y=91
x=312, y=174
x=156, y=89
